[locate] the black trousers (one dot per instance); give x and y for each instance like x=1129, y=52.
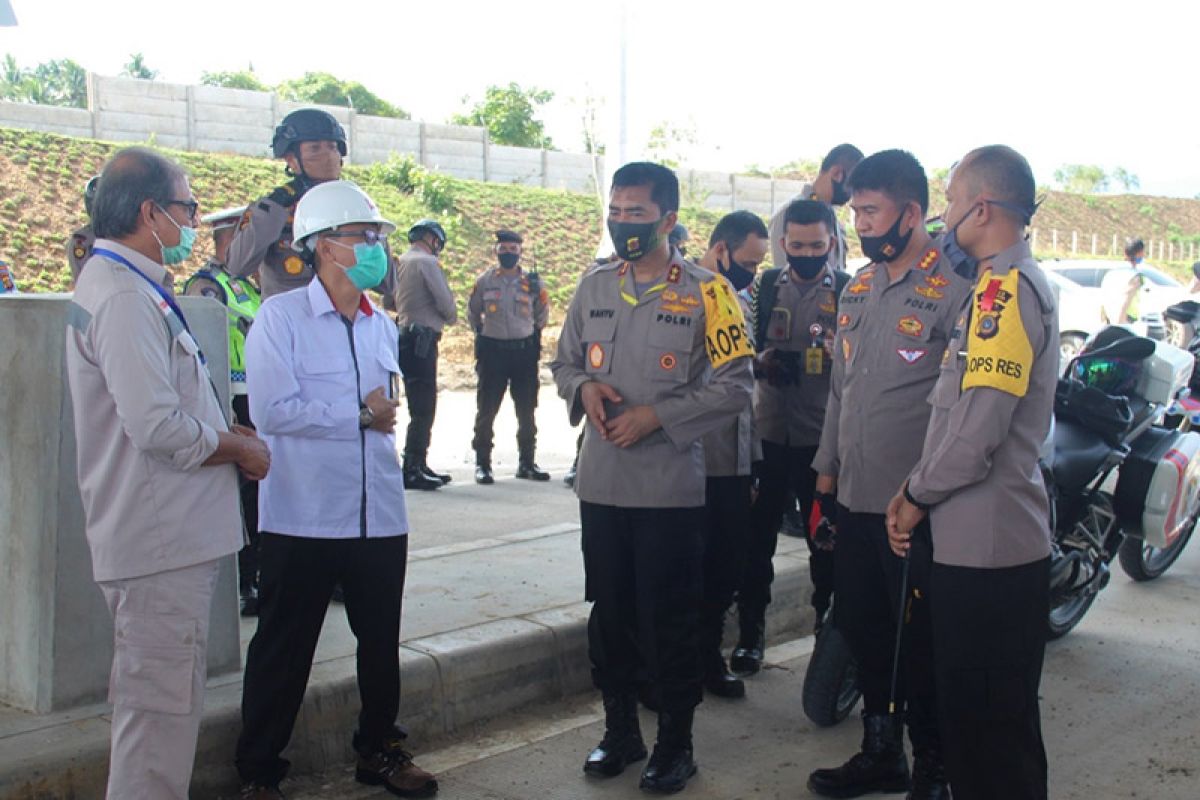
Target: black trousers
x=989, y=639
x=420, y=388
x=727, y=511
x=297, y=580
x=782, y=468
x=248, y=489
x=867, y=581
x=502, y=366
x=643, y=576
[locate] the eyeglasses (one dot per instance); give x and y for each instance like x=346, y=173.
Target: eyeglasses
x=369, y=236
x=191, y=206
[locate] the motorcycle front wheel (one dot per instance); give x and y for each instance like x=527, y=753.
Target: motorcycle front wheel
x=1067, y=611
x=1144, y=562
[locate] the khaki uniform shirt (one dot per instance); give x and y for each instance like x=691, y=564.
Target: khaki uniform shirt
x=507, y=306
x=992, y=406
x=837, y=254
x=654, y=350
x=146, y=418
x=803, y=317
x=422, y=294
x=887, y=356
x=730, y=449
x=263, y=243
x=79, y=249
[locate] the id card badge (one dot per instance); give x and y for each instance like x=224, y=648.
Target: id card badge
x=814, y=360
x=780, y=327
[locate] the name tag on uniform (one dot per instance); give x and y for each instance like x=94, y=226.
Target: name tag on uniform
x=780, y=327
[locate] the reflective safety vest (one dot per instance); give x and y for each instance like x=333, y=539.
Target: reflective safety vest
x=242, y=302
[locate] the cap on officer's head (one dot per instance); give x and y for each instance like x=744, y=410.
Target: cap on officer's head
x=225, y=218
x=508, y=236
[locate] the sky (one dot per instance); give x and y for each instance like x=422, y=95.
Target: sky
x=758, y=81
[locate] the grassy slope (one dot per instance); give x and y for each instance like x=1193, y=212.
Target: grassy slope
x=42, y=175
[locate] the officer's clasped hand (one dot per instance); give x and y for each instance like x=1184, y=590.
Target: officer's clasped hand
x=384, y=410
x=592, y=396
x=254, y=460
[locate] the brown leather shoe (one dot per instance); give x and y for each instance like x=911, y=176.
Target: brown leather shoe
x=394, y=770
x=256, y=791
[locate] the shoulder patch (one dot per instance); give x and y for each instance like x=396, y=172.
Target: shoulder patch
x=999, y=355
x=725, y=335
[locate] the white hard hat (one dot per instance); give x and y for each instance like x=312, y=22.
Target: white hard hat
x=330, y=205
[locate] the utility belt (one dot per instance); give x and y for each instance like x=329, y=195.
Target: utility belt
x=491, y=343
x=422, y=338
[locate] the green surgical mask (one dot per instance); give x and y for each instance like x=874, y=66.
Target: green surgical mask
x=370, y=264
x=177, y=254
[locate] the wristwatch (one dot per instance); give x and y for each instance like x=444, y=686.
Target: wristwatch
x=365, y=417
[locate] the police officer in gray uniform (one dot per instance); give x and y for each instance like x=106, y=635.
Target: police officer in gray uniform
x=79, y=243
x=979, y=480
x=655, y=353
x=312, y=143
x=508, y=309
x=895, y=319
x=424, y=305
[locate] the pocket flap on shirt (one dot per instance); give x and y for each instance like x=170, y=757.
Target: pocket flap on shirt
x=322, y=364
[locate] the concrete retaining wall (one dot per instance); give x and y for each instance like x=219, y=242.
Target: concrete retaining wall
x=214, y=119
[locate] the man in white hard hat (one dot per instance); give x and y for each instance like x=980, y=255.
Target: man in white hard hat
x=324, y=365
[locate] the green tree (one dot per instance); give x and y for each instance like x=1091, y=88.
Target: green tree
x=1081, y=178
x=508, y=114
x=671, y=144
x=136, y=68
x=241, y=79
x=60, y=82
x=326, y=89
x=1127, y=179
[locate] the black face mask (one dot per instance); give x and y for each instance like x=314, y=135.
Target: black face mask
x=882, y=249
x=841, y=195
x=738, y=275
x=962, y=262
x=508, y=260
x=807, y=267
x=633, y=240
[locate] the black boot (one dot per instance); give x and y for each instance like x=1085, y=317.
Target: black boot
x=747, y=657
x=880, y=767
x=928, y=776
x=249, y=598
x=671, y=764
x=443, y=477
x=622, y=743
x=483, y=470
x=414, y=478
x=569, y=478
x=720, y=681
x=527, y=470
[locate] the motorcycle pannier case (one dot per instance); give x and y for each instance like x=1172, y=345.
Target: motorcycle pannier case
x=1158, y=490
x=1164, y=373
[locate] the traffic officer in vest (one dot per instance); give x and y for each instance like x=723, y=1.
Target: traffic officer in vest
x=795, y=315
x=241, y=301
x=979, y=479
x=654, y=351
x=830, y=187
x=737, y=246
x=894, y=321
x=424, y=305
x=508, y=309
x=79, y=243
x=312, y=144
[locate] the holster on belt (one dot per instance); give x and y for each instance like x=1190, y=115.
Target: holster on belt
x=423, y=339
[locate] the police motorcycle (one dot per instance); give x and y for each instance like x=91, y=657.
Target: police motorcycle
x=1123, y=482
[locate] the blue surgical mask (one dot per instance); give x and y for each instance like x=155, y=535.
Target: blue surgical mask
x=370, y=264
x=177, y=254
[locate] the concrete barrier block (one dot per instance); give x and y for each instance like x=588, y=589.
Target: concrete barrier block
x=241, y=148
x=439, y=148
x=234, y=132
x=254, y=120
x=494, y=667
x=453, y=132
x=385, y=142
x=242, y=98
x=19, y=113
x=145, y=124
x=156, y=90
x=387, y=126
x=136, y=104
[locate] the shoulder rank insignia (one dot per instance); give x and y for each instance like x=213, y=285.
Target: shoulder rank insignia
x=928, y=259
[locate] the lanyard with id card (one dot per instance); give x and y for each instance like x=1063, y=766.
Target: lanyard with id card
x=814, y=354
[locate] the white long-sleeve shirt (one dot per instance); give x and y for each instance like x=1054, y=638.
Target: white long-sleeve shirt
x=308, y=371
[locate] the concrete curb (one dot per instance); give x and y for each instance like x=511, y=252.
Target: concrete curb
x=450, y=681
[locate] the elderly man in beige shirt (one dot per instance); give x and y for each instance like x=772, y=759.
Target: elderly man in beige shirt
x=157, y=474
